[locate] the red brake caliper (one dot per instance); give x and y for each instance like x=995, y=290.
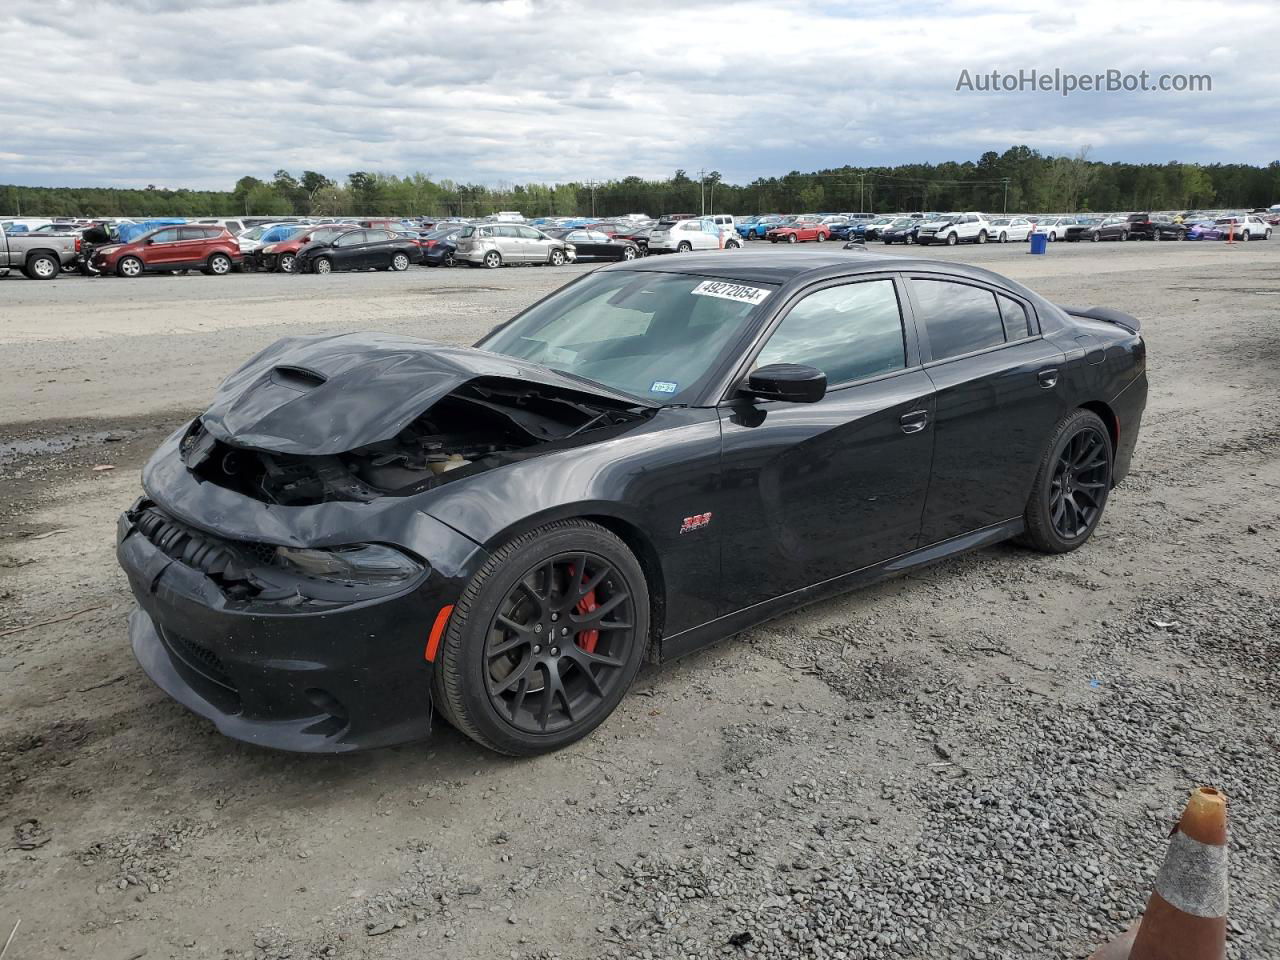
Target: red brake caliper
x=587, y=639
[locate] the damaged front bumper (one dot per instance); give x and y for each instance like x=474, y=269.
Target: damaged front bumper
x=293, y=666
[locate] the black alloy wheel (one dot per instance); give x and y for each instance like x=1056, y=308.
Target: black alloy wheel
x=1072, y=485
x=558, y=643
x=545, y=639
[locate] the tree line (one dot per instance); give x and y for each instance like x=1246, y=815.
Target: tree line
x=1020, y=179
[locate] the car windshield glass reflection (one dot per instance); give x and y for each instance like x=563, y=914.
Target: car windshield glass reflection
x=652, y=335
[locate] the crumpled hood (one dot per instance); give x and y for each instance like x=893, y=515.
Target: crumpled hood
x=322, y=395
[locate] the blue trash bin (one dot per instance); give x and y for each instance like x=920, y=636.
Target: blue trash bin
x=1039, y=243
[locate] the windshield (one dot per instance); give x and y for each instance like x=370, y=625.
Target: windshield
x=652, y=335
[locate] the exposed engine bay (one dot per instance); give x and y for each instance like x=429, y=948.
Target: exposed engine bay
x=481, y=425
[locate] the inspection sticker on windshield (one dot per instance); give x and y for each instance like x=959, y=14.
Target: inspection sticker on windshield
x=730, y=291
x=663, y=386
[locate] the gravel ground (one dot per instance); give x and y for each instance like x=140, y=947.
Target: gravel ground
x=980, y=760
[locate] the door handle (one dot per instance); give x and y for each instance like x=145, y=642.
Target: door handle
x=915, y=421
x=1048, y=378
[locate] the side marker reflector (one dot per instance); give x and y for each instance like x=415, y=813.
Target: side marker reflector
x=437, y=631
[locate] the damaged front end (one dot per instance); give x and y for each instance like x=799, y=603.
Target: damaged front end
x=287, y=570
x=477, y=427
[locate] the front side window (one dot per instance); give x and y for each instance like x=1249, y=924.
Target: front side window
x=528, y=233
x=959, y=318
x=350, y=239
x=849, y=332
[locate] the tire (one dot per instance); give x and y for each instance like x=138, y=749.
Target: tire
x=952, y=239
x=219, y=265
x=43, y=266
x=982, y=236
x=1155, y=236
x=1095, y=237
x=322, y=265
x=1080, y=434
x=733, y=245
x=684, y=246
x=493, y=260
x=1124, y=236
x=1004, y=237
x=557, y=257
x=1244, y=236
x=449, y=261
x=773, y=239
x=284, y=264
x=793, y=238
x=469, y=686
x=629, y=253
x=130, y=267
x=1267, y=235
x=400, y=262
x=821, y=238
x=1053, y=236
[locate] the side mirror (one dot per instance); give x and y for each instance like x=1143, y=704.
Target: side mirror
x=793, y=382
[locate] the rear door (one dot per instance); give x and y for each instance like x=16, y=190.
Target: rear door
x=816, y=490
x=997, y=401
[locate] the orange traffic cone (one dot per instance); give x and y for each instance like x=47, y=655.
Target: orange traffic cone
x=1186, y=917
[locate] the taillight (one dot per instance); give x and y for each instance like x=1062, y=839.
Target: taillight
x=78, y=240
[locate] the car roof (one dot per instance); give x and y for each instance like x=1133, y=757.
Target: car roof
x=768, y=267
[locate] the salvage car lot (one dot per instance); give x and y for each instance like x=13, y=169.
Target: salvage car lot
x=853, y=775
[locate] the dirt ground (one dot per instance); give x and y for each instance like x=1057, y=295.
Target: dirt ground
x=980, y=760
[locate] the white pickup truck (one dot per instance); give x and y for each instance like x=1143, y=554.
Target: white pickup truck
x=40, y=256
x=956, y=228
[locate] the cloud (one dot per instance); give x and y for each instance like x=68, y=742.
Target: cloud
x=170, y=92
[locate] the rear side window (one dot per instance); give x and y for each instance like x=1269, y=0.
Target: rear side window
x=165, y=236
x=849, y=332
x=194, y=233
x=959, y=318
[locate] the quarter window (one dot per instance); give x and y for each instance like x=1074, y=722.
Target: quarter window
x=959, y=318
x=1017, y=325
x=848, y=332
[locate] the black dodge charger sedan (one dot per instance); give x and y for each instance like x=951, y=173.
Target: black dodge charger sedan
x=657, y=455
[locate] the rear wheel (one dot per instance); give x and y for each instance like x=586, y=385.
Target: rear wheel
x=1072, y=485
x=545, y=639
x=793, y=238
x=821, y=237
x=219, y=265
x=1004, y=237
x=684, y=247
x=43, y=266
x=628, y=252
x=129, y=267
x=493, y=259
x=400, y=261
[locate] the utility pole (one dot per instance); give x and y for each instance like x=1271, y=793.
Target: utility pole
x=861, y=202
x=702, y=186
x=1006, y=194
x=592, y=184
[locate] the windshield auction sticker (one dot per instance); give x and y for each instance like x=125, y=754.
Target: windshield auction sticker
x=730, y=291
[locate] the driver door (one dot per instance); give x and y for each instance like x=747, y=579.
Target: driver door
x=813, y=491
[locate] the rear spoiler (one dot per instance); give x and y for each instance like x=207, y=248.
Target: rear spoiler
x=1106, y=315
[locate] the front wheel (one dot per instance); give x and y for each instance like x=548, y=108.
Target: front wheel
x=793, y=238
x=733, y=245
x=285, y=263
x=1072, y=485
x=493, y=259
x=1096, y=237
x=1004, y=237
x=129, y=267
x=322, y=265
x=952, y=239
x=1244, y=236
x=545, y=639
x=400, y=261
x=628, y=253
x=557, y=257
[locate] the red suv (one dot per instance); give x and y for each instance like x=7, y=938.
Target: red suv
x=210, y=249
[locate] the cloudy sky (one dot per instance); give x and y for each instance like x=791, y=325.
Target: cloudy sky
x=189, y=94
